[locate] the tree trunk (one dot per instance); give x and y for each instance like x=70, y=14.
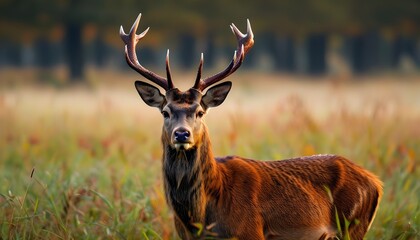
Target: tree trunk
x=11, y=53
x=210, y=51
x=364, y=52
x=74, y=51
x=100, y=51
x=187, y=50
x=283, y=51
x=316, y=46
x=43, y=53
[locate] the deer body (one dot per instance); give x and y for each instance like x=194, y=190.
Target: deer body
x=250, y=199
x=234, y=197
x=269, y=200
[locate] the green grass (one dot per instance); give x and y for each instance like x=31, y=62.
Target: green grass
x=85, y=163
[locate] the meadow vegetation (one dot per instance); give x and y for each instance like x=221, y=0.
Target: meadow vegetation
x=84, y=162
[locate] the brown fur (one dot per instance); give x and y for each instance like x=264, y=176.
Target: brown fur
x=248, y=199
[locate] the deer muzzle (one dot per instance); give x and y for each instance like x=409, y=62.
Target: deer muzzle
x=182, y=139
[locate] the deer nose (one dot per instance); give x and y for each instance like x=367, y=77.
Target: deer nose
x=182, y=135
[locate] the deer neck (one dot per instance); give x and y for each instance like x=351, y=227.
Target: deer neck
x=187, y=178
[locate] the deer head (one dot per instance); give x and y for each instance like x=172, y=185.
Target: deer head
x=183, y=110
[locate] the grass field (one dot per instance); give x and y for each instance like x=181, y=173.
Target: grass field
x=84, y=162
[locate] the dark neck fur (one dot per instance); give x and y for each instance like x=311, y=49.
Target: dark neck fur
x=187, y=175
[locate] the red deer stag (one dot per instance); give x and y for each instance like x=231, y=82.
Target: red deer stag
x=234, y=197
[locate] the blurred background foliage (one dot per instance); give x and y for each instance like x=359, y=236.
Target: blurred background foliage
x=300, y=36
x=82, y=161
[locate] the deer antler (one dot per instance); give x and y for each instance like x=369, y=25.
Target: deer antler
x=245, y=42
x=130, y=40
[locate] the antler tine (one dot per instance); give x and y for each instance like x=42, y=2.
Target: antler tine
x=240, y=60
x=245, y=42
x=131, y=39
x=168, y=72
x=200, y=69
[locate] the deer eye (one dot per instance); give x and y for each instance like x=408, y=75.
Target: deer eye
x=165, y=114
x=200, y=114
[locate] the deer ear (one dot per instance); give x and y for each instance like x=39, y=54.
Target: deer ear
x=150, y=94
x=216, y=95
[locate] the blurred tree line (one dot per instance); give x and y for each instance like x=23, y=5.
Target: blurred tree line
x=291, y=36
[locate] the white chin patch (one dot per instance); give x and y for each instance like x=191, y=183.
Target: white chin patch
x=182, y=146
